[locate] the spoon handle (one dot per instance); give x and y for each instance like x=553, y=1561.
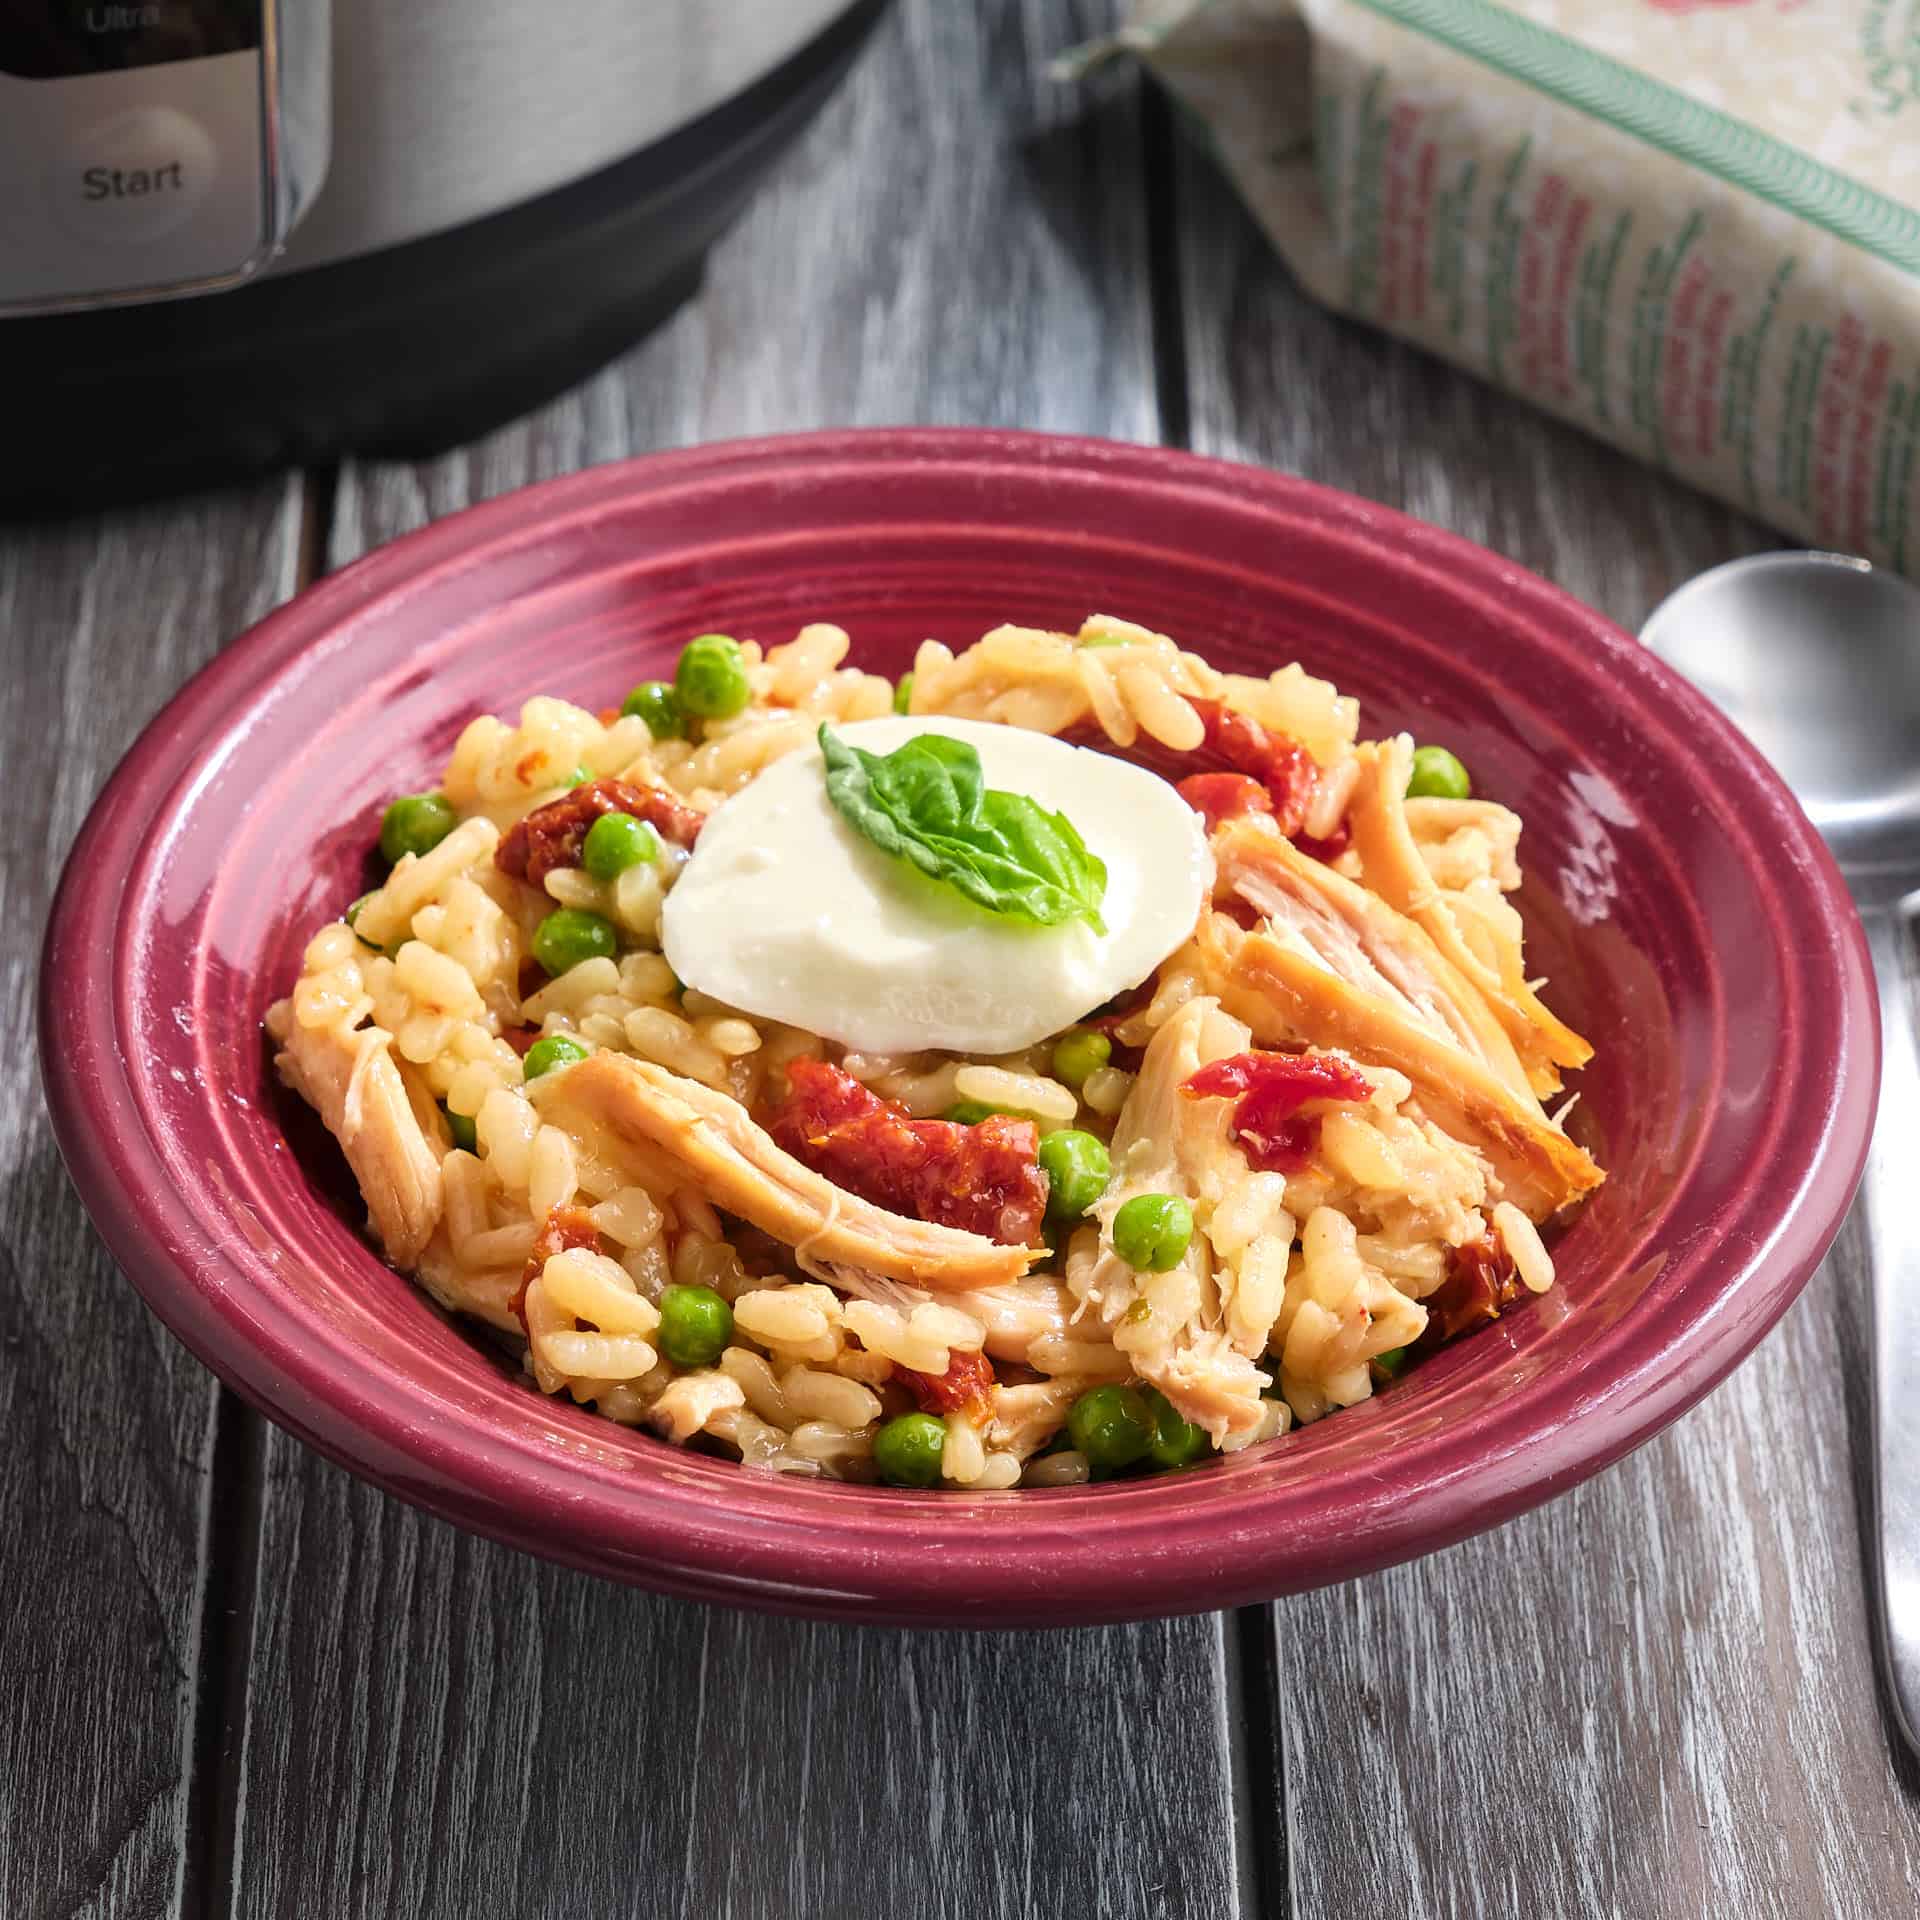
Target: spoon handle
x=1890, y=1195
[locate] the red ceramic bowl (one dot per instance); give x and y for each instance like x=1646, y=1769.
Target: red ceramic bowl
x=1690, y=920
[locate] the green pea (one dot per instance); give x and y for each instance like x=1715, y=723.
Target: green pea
x=711, y=678
x=1113, y=1426
x=659, y=706
x=1177, y=1442
x=1437, y=775
x=577, y=778
x=615, y=842
x=569, y=935
x=556, y=1050
x=969, y=1113
x=464, y=1136
x=1077, y=1170
x=415, y=823
x=903, y=694
x=907, y=1450
x=1152, y=1230
x=1080, y=1053
x=1393, y=1362
x=695, y=1326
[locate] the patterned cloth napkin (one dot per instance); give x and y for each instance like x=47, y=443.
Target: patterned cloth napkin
x=1687, y=225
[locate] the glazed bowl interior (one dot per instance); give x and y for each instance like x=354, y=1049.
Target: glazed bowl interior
x=1682, y=910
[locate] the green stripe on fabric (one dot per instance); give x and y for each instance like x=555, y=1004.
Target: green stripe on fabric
x=1664, y=117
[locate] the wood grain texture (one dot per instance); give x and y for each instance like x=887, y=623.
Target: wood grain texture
x=440, y=1727
x=508, y=1739
x=1656, y=1697
x=106, y=1425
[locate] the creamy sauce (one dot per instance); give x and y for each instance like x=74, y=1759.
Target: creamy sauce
x=786, y=912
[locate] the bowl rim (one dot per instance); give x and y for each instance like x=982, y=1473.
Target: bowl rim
x=1124, y=1551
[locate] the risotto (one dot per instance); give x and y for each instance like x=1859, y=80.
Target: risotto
x=1068, y=1062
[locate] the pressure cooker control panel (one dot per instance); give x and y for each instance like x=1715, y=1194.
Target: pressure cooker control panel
x=146, y=146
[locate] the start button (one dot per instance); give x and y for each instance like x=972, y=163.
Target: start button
x=133, y=177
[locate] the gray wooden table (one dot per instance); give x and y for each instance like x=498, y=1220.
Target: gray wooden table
x=234, y=1681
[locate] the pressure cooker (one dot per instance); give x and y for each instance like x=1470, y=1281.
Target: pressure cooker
x=236, y=234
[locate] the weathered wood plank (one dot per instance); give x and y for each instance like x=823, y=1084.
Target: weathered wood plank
x=1656, y=1697
x=513, y=1739
x=106, y=1425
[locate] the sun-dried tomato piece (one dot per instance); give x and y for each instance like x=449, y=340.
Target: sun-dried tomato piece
x=982, y=1179
x=1329, y=849
x=1270, y=1089
x=563, y=1228
x=965, y=1387
x=1223, y=796
x=821, y=1097
x=551, y=836
x=1481, y=1284
x=1288, y=772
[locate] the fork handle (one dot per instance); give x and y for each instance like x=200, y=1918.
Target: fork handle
x=1890, y=1196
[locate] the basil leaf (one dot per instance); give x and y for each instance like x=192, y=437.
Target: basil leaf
x=1049, y=842
x=928, y=803
x=932, y=779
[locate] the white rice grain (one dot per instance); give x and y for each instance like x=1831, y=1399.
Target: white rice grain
x=550, y=1174
x=1018, y=1092
x=1521, y=1238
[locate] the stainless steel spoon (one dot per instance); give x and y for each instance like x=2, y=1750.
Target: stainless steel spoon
x=1816, y=657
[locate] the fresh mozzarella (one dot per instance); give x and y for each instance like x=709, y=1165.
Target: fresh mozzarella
x=785, y=911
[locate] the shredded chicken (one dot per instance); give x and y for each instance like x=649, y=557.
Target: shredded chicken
x=709, y=1142
x=1335, y=967
x=687, y=1404
x=1171, y=1325
x=1027, y=1416
x=1351, y=932
x=1397, y=871
x=1216, y=1386
x=352, y=1082
x=486, y=1293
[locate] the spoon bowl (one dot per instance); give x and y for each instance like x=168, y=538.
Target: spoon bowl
x=1816, y=658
